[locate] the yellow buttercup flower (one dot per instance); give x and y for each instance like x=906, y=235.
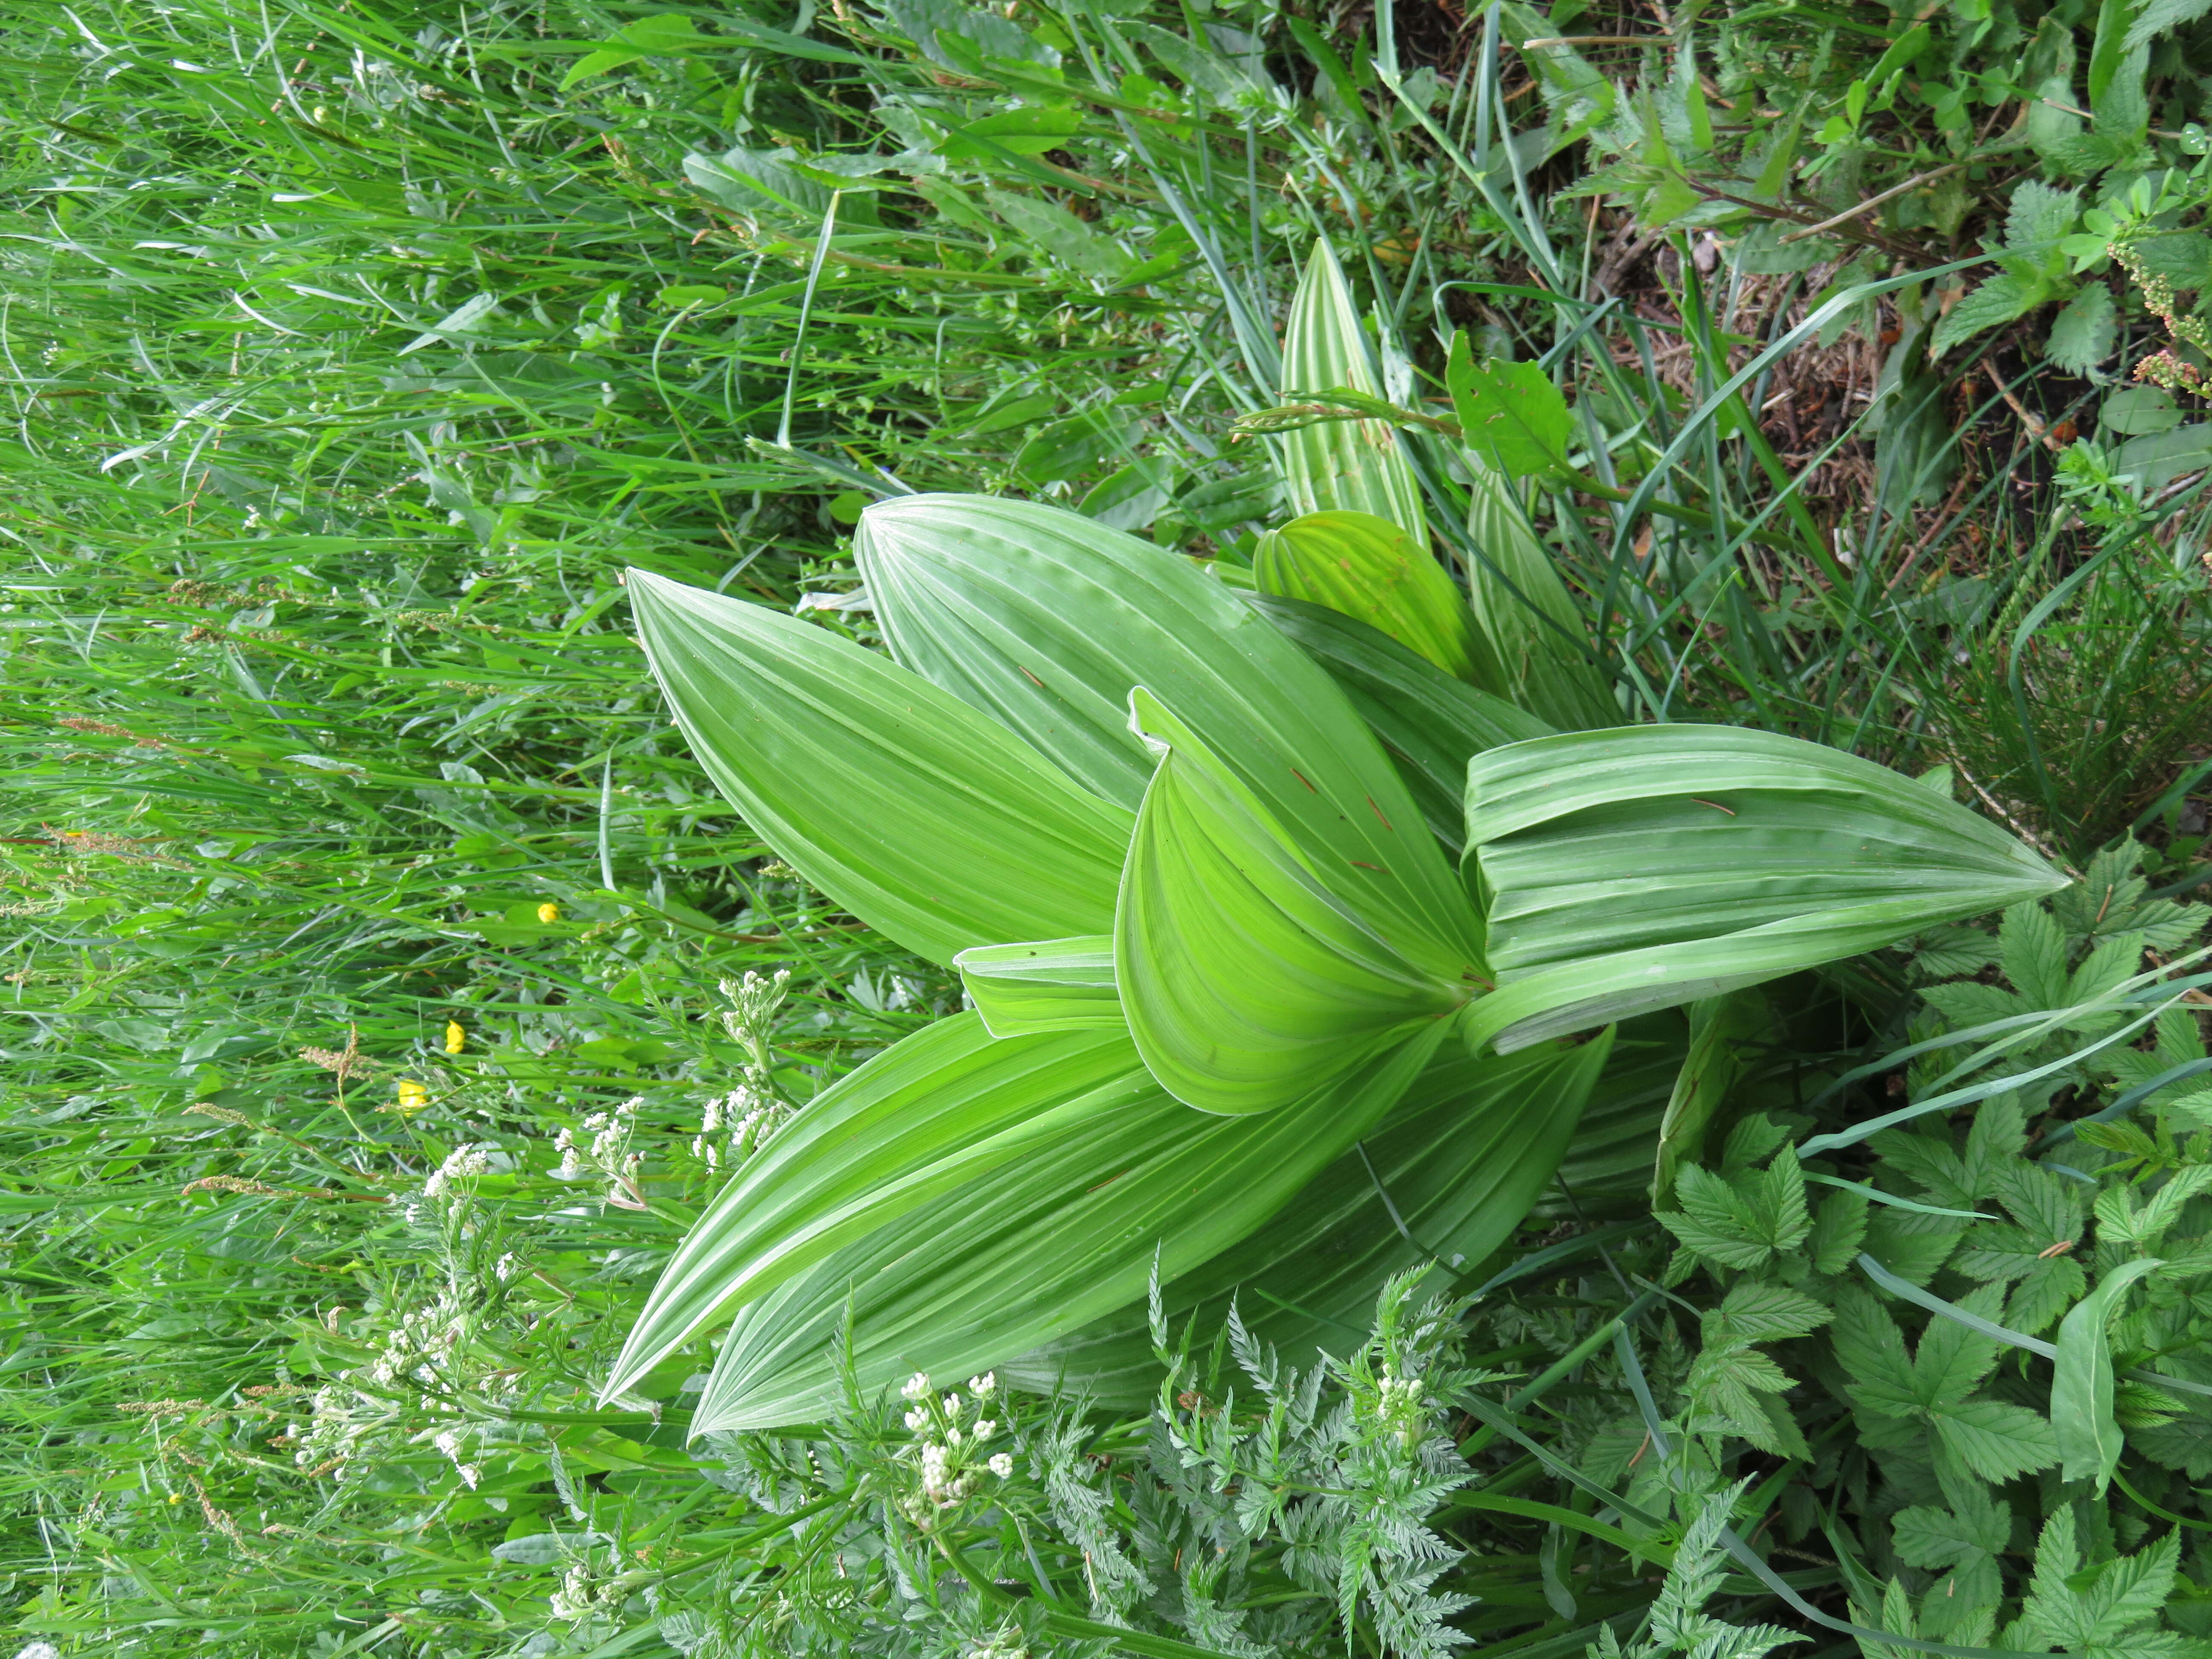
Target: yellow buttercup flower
x=413, y=1097
x=548, y=912
x=456, y=1038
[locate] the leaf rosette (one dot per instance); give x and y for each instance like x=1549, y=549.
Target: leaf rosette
x=1234, y=1014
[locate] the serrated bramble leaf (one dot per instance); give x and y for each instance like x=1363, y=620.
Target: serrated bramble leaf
x=1755, y=1310
x=2031, y=952
x=1994, y=1440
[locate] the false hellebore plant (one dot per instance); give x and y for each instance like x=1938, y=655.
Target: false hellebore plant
x=1237, y=1021
x=1229, y=990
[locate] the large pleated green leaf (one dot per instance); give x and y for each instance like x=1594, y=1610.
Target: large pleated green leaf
x=927, y=1117
x=1429, y=722
x=1039, y=1246
x=1461, y=1158
x=1045, y=619
x=1369, y=568
x=1646, y=866
x=1354, y=464
x=928, y=821
x=1244, y=979
x=1045, y=985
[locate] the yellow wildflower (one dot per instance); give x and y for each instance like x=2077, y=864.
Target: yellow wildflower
x=456, y=1038
x=548, y=912
x=413, y=1097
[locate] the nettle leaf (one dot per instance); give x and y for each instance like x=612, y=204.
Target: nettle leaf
x=1511, y=414
x=1245, y=979
x=2086, y=333
x=1046, y=622
x=1355, y=465
x=1042, y=1244
x=925, y=820
x=2039, y=213
x=1995, y=301
x=1427, y=721
x=1045, y=985
x=1369, y=568
x=1645, y=866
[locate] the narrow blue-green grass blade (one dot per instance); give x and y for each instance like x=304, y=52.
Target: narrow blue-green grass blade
x=1647, y=866
x=1045, y=985
x=1445, y=1178
x=1428, y=722
x=1039, y=1245
x=1046, y=621
x=1243, y=976
x=928, y=821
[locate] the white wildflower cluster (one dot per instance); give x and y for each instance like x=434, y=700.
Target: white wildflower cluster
x=951, y=1440
x=424, y=1341
x=462, y=1163
x=331, y=1435
x=1402, y=1405
x=573, y=1600
x=448, y=1441
x=607, y=1154
x=754, y=1002
x=585, y=1593
x=735, y=1126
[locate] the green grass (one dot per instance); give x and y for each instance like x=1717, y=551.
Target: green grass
x=351, y=358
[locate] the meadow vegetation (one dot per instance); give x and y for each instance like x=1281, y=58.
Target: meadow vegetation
x=390, y=989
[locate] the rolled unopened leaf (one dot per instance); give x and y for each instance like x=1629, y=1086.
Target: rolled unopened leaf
x=1355, y=465
x=1045, y=985
x=1369, y=568
x=1244, y=977
x=1645, y=866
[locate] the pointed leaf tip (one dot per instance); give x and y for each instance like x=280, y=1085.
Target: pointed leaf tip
x=923, y=819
